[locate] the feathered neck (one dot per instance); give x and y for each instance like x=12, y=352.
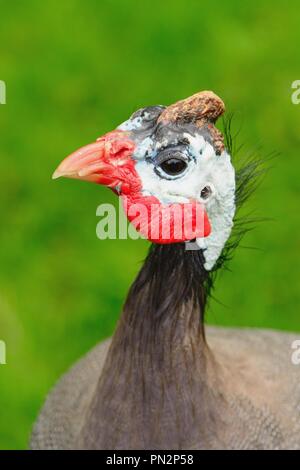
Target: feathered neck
x=155, y=389
x=171, y=278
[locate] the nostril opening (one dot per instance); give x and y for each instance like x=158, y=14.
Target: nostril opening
x=206, y=192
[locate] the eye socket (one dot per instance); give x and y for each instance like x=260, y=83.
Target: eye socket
x=171, y=162
x=173, y=166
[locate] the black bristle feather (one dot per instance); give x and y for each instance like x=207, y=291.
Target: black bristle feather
x=250, y=169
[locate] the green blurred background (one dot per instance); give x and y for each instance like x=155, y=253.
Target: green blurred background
x=76, y=69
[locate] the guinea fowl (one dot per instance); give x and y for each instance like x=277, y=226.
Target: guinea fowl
x=163, y=382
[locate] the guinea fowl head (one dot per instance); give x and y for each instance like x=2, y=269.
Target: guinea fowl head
x=170, y=167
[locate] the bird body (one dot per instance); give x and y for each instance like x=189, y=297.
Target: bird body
x=260, y=385
x=163, y=382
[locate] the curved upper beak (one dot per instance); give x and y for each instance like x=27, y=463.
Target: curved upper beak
x=85, y=163
x=98, y=162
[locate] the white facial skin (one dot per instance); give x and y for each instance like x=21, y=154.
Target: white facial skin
x=206, y=170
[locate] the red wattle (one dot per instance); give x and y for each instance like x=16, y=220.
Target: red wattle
x=166, y=223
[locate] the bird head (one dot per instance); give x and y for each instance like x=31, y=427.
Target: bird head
x=172, y=171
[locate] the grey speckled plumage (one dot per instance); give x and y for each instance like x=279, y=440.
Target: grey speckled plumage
x=262, y=390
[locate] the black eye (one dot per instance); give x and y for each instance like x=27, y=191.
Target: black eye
x=171, y=161
x=173, y=166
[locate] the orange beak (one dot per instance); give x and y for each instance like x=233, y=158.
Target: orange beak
x=99, y=162
x=86, y=163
